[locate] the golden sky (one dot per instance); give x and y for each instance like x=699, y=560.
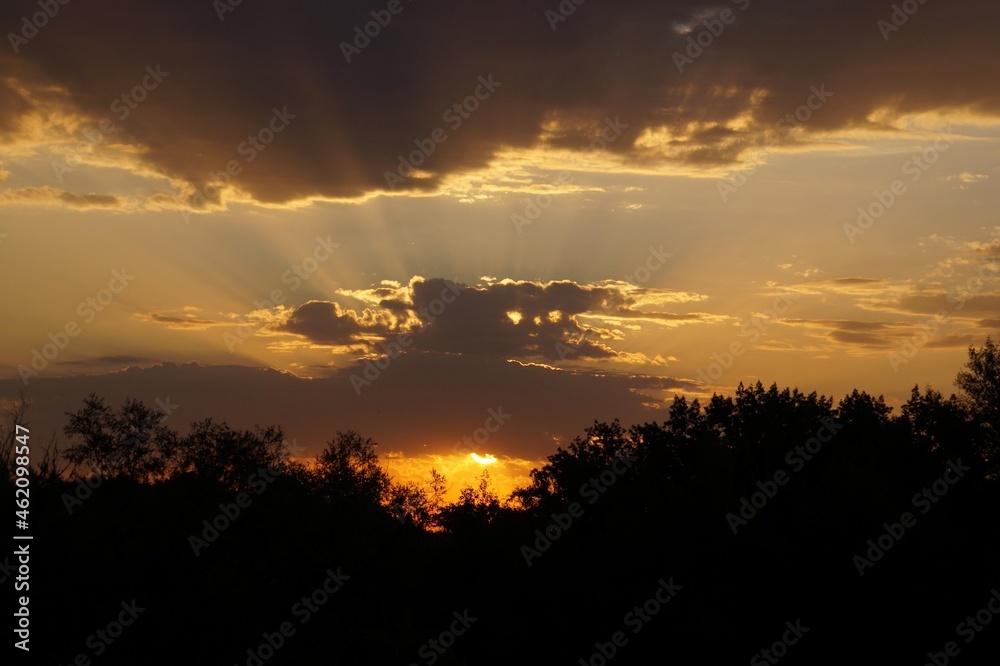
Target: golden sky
x=567, y=217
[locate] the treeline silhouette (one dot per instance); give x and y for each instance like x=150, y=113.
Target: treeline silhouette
x=759, y=509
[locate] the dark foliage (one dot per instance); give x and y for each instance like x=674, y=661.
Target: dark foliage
x=759, y=505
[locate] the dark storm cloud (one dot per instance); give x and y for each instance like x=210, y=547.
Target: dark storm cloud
x=325, y=323
x=514, y=319
x=228, y=79
x=12, y=106
x=526, y=320
x=543, y=403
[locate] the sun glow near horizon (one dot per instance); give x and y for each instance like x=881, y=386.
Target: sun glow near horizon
x=463, y=470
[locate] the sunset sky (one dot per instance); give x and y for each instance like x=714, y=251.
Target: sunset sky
x=238, y=209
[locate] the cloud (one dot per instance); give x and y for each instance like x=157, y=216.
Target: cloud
x=858, y=334
x=965, y=180
x=863, y=337
x=120, y=360
x=991, y=248
x=557, y=88
x=397, y=410
x=854, y=286
x=182, y=322
x=867, y=282
x=957, y=302
x=50, y=195
x=955, y=341
x=504, y=319
x=326, y=323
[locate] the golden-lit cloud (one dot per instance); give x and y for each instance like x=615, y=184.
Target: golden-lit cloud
x=47, y=196
x=502, y=318
x=218, y=121
x=965, y=180
x=861, y=335
x=186, y=321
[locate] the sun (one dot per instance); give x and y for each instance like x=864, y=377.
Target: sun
x=488, y=459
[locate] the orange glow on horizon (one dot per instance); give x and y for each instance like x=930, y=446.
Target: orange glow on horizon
x=462, y=470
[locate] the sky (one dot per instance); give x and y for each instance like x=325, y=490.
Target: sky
x=481, y=227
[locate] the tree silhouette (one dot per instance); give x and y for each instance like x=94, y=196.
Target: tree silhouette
x=861, y=410
x=810, y=485
x=475, y=508
x=217, y=452
x=419, y=505
x=13, y=415
x=131, y=443
x=567, y=469
x=939, y=425
x=348, y=473
x=980, y=383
